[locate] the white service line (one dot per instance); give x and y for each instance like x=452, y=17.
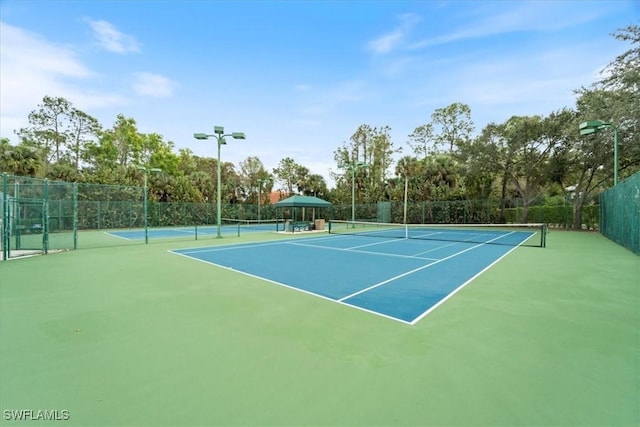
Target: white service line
x=362, y=252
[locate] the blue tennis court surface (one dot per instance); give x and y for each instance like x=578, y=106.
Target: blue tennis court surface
x=402, y=279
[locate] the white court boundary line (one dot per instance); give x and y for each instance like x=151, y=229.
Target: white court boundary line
x=109, y=233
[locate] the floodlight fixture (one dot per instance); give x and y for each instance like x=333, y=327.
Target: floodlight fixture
x=219, y=137
x=594, y=126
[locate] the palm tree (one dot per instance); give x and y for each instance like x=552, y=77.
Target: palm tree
x=407, y=168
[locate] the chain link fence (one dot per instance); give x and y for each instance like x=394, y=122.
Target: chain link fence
x=41, y=215
x=620, y=213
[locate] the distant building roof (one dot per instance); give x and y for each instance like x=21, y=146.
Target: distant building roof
x=276, y=196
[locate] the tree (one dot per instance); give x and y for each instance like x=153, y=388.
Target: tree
x=231, y=183
x=60, y=130
x=22, y=159
x=83, y=129
x=311, y=184
x=47, y=129
x=251, y=171
x=590, y=158
x=158, y=153
x=531, y=147
x=407, y=168
x=286, y=173
x=124, y=141
x=454, y=124
x=204, y=177
x=481, y=162
x=421, y=139
x=491, y=158
x=441, y=174
x=374, y=147
x=624, y=71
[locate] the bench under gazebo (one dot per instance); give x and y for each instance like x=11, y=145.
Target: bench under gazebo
x=297, y=220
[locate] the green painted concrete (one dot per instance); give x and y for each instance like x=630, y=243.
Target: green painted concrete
x=136, y=336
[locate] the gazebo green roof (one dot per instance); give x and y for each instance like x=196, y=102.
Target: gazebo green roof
x=302, y=202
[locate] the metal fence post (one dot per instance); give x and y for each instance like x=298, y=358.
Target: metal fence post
x=45, y=214
x=75, y=215
x=5, y=217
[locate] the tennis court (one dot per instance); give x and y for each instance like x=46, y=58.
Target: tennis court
x=402, y=275
x=543, y=337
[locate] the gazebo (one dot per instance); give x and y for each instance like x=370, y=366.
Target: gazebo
x=299, y=222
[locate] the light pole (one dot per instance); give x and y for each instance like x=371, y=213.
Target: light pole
x=570, y=191
x=260, y=182
x=218, y=134
x=146, y=174
x=353, y=167
x=595, y=126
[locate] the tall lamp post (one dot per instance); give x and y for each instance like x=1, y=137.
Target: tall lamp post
x=260, y=182
x=595, y=126
x=353, y=167
x=218, y=134
x=146, y=209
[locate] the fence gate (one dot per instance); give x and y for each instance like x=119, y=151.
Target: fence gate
x=29, y=224
x=384, y=211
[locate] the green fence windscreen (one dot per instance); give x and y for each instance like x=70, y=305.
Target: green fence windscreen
x=620, y=213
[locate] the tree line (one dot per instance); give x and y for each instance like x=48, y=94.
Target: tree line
x=529, y=158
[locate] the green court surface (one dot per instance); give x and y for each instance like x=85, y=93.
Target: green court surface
x=136, y=336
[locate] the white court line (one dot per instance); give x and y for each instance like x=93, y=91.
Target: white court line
x=364, y=252
x=227, y=247
x=412, y=271
x=383, y=242
x=438, y=247
x=243, y=245
x=115, y=235
x=175, y=229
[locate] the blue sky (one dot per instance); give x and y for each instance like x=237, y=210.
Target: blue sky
x=299, y=77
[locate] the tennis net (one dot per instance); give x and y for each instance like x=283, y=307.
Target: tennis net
x=497, y=234
x=254, y=224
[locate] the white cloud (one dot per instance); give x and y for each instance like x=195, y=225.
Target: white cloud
x=514, y=17
x=33, y=67
x=23, y=51
x=392, y=40
x=386, y=43
x=330, y=99
x=112, y=40
x=153, y=85
x=302, y=87
x=531, y=82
